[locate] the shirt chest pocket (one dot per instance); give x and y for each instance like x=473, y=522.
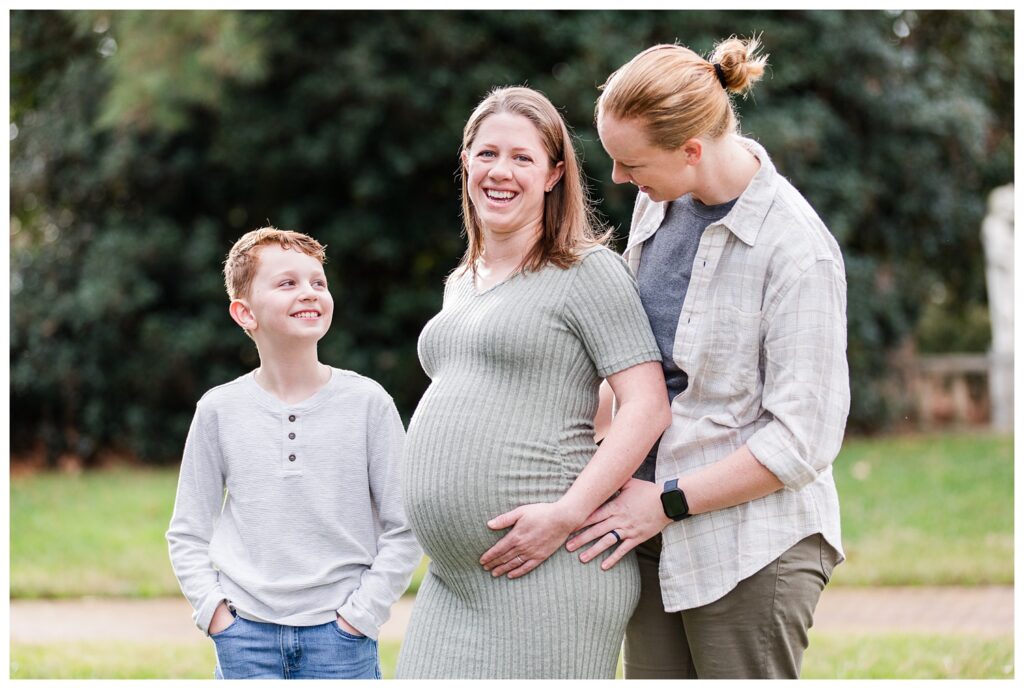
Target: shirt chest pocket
x=732, y=358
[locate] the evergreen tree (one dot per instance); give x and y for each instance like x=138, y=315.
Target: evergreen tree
x=144, y=143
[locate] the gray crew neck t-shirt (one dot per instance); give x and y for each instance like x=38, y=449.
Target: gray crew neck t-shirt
x=663, y=278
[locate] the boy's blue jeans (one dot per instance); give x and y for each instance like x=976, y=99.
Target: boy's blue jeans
x=258, y=650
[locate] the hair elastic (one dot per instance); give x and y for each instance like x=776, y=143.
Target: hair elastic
x=721, y=75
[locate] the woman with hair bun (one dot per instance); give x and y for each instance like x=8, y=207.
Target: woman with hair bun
x=734, y=514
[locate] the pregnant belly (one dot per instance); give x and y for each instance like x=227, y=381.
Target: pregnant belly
x=462, y=470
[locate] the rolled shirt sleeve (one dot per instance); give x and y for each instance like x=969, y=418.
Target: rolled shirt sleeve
x=806, y=377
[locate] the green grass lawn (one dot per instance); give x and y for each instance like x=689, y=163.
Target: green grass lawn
x=932, y=509
x=908, y=656
x=916, y=510
x=830, y=656
x=94, y=533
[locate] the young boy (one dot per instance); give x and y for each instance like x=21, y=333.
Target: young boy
x=294, y=571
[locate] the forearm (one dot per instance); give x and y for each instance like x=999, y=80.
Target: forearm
x=733, y=480
x=636, y=514
x=603, y=418
x=631, y=434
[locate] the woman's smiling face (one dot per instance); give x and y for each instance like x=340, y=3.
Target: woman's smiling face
x=508, y=172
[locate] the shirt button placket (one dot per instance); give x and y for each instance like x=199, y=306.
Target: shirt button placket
x=291, y=437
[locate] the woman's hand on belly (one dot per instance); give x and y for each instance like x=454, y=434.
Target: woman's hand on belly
x=538, y=530
x=635, y=514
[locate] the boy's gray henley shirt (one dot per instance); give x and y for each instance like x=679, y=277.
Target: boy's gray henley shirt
x=312, y=523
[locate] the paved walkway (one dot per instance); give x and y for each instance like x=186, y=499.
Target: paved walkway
x=982, y=610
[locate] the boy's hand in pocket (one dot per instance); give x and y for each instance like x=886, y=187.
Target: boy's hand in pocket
x=347, y=628
x=222, y=618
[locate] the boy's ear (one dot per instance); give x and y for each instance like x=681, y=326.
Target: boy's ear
x=242, y=314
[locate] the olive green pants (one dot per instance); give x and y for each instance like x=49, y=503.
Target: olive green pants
x=757, y=630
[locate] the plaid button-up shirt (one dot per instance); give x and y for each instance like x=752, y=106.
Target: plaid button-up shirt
x=762, y=336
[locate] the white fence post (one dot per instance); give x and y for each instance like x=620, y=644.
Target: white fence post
x=997, y=238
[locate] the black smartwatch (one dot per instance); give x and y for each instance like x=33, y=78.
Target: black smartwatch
x=673, y=501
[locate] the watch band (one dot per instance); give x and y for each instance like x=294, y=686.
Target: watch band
x=673, y=501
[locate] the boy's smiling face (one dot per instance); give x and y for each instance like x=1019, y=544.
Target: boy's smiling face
x=288, y=298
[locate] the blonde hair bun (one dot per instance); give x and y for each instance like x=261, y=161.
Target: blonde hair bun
x=741, y=65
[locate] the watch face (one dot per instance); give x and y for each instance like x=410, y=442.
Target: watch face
x=673, y=503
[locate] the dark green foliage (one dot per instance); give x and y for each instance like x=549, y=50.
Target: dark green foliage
x=149, y=141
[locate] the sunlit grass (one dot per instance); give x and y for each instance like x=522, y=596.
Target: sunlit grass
x=830, y=656
x=122, y=660
x=908, y=656
x=934, y=509
x=94, y=533
x=915, y=510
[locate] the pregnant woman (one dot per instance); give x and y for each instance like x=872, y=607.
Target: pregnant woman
x=501, y=465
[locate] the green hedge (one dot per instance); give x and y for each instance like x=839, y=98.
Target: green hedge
x=144, y=143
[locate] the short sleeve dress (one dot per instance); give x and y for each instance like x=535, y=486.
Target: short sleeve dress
x=508, y=420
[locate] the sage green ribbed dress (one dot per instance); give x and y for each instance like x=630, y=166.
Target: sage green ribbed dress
x=506, y=421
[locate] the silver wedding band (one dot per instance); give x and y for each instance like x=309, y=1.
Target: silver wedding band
x=521, y=560
x=618, y=538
